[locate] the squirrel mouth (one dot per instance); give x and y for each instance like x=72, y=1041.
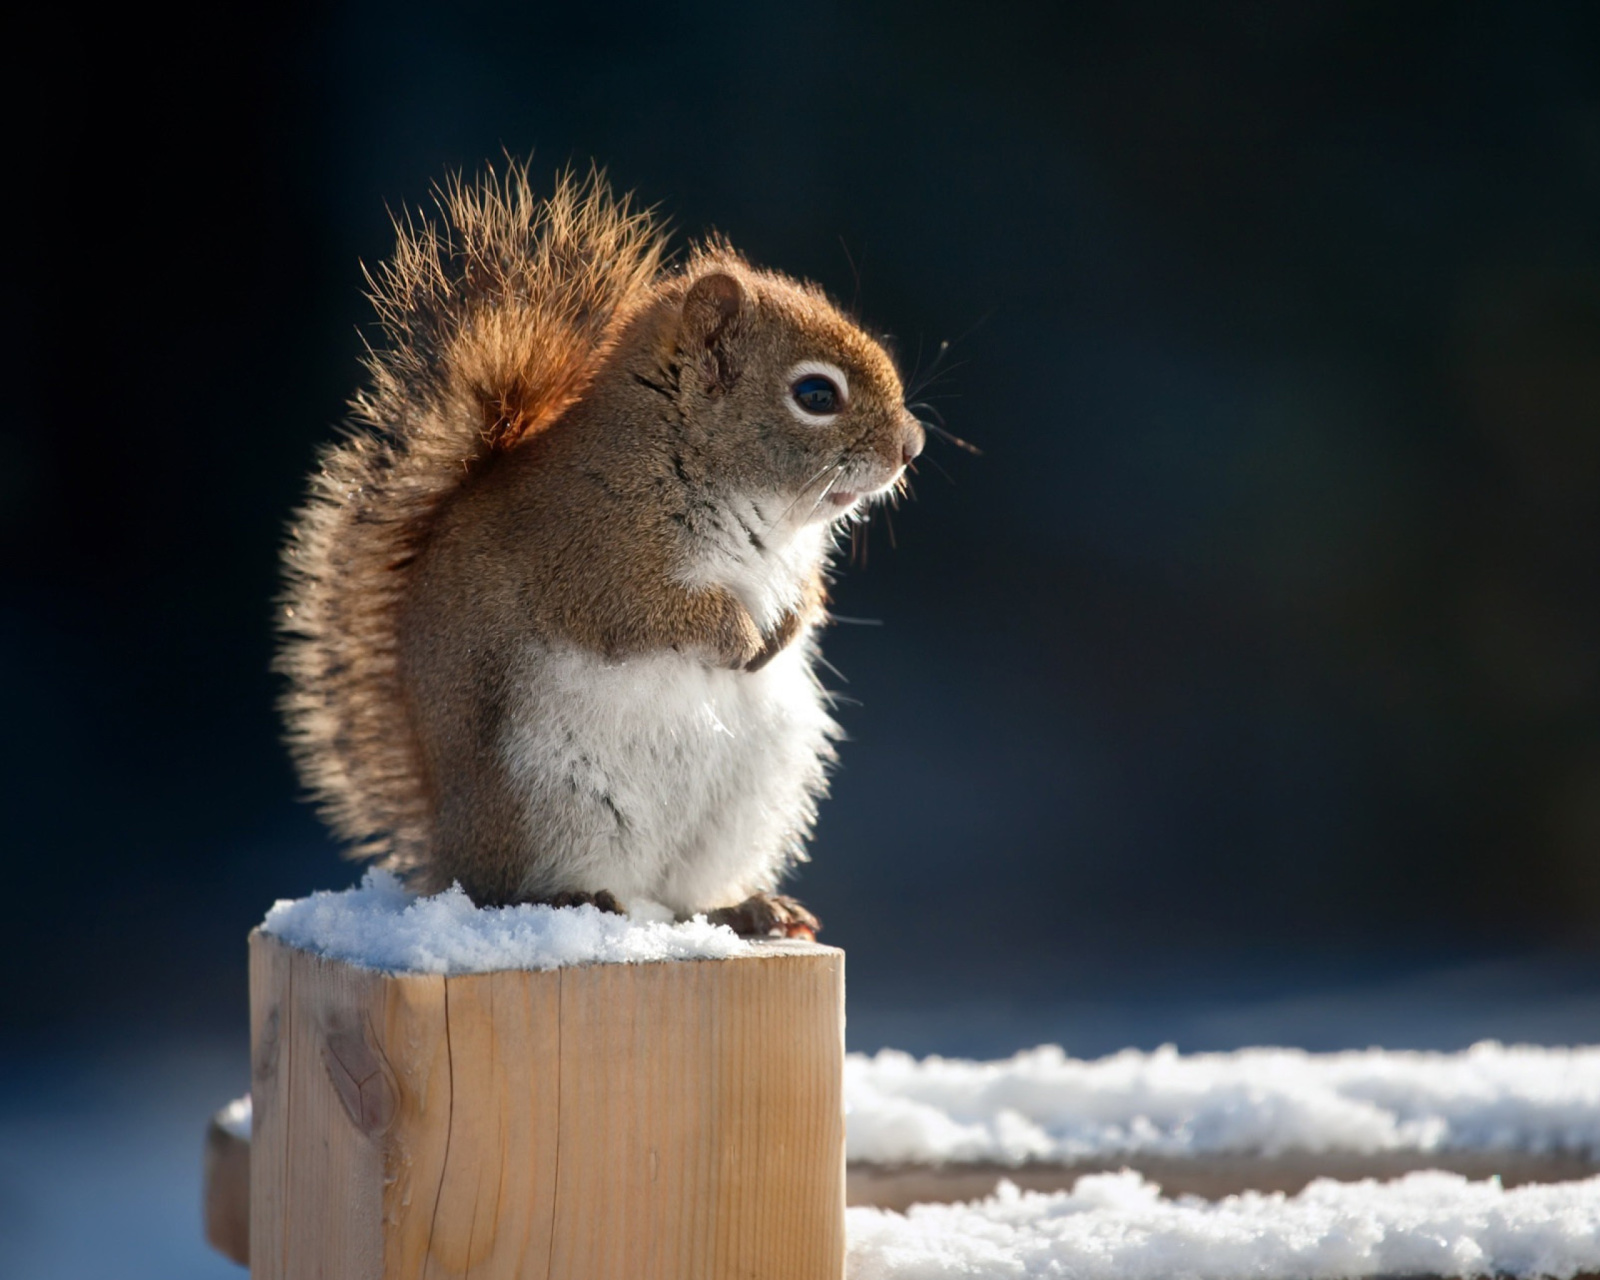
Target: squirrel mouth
x=836, y=502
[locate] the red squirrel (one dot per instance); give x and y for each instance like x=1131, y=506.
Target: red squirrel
x=551, y=607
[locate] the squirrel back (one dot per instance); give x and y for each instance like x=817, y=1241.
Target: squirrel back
x=493, y=324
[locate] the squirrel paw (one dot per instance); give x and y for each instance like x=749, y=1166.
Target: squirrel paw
x=787, y=629
x=768, y=915
x=604, y=900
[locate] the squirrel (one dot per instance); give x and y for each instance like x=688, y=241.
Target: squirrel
x=551, y=605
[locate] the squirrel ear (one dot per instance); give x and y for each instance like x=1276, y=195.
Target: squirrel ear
x=711, y=311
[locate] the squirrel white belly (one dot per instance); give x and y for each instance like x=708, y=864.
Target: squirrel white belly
x=666, y=780
x=551, y=607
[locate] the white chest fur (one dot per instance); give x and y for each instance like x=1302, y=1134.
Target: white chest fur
x=664, y=779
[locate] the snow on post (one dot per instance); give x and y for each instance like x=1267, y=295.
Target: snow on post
x=524, y=1091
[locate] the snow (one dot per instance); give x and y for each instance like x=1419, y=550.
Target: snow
x=236, y=1118
x=379, y=925
x=1043, y=1105
x=1118, y=1227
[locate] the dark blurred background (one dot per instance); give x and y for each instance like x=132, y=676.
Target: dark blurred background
x=1263, y=638
x=1255, y=666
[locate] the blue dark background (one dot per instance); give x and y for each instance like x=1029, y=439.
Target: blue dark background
x=1247, y=688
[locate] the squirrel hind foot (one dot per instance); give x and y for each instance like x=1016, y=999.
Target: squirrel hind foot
x=604, y=900
x=768, y=915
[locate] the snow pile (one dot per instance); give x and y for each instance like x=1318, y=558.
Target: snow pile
x=1043, y=1105
x=1118, y=1227
x=379, y=925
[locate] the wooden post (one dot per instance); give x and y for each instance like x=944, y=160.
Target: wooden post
x=225, y=1205
x=680, y=1120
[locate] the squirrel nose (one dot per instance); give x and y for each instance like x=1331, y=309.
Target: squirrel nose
x=914, y=439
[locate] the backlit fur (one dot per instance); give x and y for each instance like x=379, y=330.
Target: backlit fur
x=551, y=603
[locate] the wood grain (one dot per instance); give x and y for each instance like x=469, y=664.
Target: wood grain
x=644, y=1122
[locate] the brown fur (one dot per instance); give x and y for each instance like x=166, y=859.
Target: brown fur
x=492, y=325
x=545, y=405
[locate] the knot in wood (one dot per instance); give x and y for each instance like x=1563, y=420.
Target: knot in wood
x=361, y=1077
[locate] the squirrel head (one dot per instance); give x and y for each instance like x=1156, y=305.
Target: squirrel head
x=778, y=394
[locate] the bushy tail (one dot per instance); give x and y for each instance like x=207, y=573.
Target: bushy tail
x=492, y=324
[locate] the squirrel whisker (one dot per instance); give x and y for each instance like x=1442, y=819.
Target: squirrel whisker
x=937, y=429
x=826, y=489
x=836, y=464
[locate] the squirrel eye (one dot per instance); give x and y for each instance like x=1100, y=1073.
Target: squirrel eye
x=816, y=394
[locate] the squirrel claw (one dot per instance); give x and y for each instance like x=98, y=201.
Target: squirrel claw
x=768, y=915
x=604, y=901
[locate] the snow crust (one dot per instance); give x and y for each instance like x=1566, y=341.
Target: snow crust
x=379, y=925
x=1116, y=1226
x=1043, y=1105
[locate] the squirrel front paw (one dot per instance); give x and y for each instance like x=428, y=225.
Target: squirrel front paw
x=604, y=900
x=787, y=629
x=768, y=915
